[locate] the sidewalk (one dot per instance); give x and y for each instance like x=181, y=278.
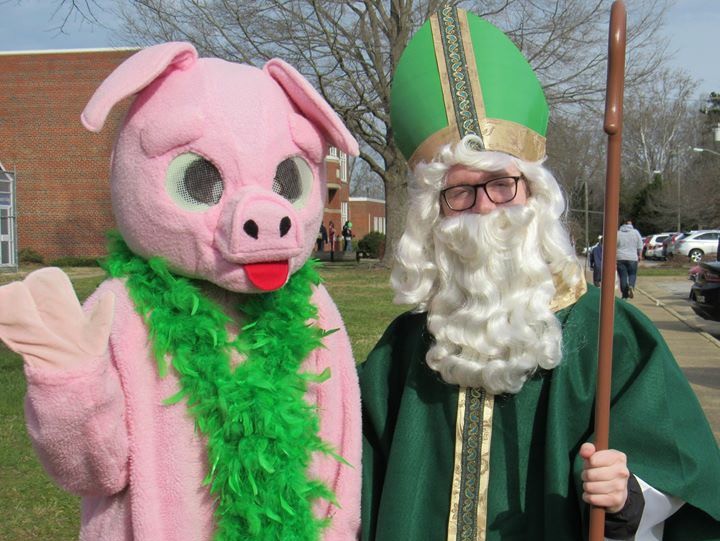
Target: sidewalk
x=693, y=340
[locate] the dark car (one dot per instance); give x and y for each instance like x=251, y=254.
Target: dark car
x=705, y=292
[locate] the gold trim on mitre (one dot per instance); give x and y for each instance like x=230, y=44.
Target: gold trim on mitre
x=497, y=135
x=471, y=66
x=443, y=72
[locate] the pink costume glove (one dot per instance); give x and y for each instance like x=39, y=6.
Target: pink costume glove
x=42, y=320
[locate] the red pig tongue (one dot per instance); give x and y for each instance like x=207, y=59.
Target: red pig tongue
x=268, y=276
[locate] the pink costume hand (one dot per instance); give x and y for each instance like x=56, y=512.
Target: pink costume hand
x=42, y=320
x=605, y=477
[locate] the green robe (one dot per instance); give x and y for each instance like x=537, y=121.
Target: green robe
x=409, y=417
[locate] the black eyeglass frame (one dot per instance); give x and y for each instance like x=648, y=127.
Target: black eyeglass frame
x=476, y=187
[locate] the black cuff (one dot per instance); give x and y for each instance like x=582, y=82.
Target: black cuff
x=624, y=523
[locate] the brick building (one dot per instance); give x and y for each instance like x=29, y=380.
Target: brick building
x=62, y=191
x=366, y=215
x=62, y=198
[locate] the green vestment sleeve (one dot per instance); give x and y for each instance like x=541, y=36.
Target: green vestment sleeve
x=409, y=417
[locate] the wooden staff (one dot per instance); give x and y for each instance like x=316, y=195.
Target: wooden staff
x=613, y=127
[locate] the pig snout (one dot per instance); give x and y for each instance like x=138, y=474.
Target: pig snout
x=258, y=226
x=251, y=227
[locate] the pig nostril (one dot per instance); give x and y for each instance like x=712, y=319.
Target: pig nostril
x=285, y=226
x=251, y=228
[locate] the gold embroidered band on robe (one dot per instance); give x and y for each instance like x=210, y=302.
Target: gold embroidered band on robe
x=462, y=94
x=473, y=431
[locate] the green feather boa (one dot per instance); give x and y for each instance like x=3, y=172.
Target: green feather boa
x=260, y=431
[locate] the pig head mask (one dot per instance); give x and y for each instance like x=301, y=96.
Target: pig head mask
x=218, y=167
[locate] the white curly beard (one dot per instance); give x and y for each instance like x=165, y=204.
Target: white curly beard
x=490, y=315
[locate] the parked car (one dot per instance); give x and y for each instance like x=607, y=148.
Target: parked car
x=693, y=273
x=668, y=248
x=695, y=245
x=645, y=240
x=705, y=292
x=653, y=248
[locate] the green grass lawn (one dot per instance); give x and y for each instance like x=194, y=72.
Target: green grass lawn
x=32, y=507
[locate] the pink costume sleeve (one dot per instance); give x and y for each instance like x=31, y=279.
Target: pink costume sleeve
x=76, y=421
x=338, y=401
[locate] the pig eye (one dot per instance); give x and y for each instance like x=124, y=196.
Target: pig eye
x=293, y=180
x=194, y=182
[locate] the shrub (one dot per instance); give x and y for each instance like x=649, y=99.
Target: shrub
x=373, y=244
x=28, y=255
x=71, y=261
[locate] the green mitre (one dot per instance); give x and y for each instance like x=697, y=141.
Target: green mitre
x=460, y=75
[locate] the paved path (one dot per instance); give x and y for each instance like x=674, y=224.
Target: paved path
x=694, y=341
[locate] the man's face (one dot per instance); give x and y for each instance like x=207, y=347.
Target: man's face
x=489, y=190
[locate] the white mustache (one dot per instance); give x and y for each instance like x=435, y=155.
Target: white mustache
x=475, y=237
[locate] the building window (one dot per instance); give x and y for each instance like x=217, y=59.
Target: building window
x=343, y=167
x=379, y=224
x=8, y=233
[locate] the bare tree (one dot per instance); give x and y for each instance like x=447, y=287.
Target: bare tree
x=349, y=49
x=576, y=156
x=660, y=124
x=364, y=183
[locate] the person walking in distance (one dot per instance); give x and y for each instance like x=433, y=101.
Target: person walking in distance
x=595, y=261
x=629, y=248
x=347, y=236
x=322, y=238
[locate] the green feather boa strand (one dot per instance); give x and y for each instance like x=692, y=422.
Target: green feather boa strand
x=260, y=431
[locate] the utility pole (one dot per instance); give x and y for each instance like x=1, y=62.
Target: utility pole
x=587, y=217
x=679, y=192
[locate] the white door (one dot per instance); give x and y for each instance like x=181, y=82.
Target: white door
x=7, y=222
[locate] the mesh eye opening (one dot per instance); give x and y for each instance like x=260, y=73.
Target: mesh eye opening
x=293, y=180
x=287, y=182
x=194, y=182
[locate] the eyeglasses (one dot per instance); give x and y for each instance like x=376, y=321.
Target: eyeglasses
x=498, y=190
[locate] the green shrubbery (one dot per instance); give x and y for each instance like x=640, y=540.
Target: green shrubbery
x=28, y=255
x=373, y=244
x=71, y=261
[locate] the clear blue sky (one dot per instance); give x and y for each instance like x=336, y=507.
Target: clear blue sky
x=692, y=27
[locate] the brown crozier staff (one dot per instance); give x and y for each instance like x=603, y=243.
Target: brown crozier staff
x=613, y=127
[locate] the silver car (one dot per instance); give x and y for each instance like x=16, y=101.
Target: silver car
x=698, y=243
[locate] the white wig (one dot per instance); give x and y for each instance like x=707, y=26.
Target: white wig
x=486, y=281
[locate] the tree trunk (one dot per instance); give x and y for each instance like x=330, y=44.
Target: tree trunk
x=395, y=205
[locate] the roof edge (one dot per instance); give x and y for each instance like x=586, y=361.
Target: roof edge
x=70, y=51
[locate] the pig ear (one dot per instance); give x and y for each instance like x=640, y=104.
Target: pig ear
x=312, y=105
x=133, y=75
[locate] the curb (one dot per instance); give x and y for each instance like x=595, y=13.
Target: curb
x=710, y=338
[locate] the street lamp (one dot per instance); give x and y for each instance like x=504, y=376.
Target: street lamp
x=698, y=149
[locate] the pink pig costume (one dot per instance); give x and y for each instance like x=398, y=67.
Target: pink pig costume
x=94, y=405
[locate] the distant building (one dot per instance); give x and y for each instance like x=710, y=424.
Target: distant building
x=61, y=170
x=62, y=191
x=367, y=215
